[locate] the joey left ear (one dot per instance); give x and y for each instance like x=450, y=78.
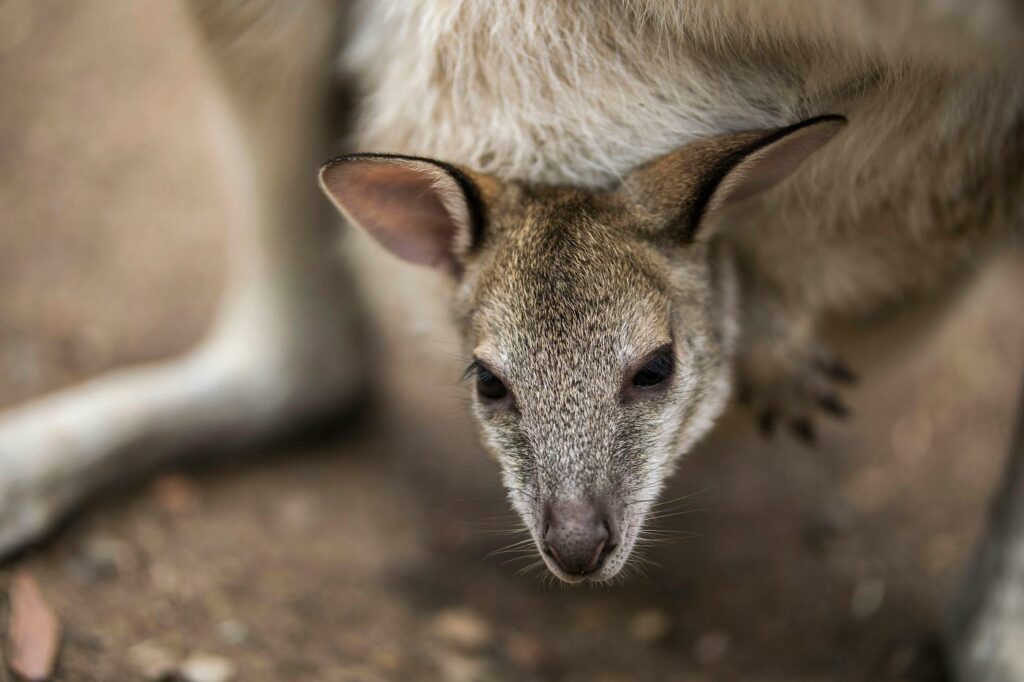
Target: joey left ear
x=424, y=211
x=769, y=160
x=691, y=185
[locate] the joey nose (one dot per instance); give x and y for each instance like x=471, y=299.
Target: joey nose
x=578, y=537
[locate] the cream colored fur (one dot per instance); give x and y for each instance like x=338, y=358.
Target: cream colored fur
x=578, y=92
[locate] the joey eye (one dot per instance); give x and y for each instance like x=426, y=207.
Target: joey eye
x=488, y=386
x=656, y=371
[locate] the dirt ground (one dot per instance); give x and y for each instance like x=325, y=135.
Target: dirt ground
x=369, y=556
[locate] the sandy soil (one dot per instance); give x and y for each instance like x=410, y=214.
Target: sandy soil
x=366, y=557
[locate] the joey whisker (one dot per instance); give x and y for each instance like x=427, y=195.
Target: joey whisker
x=656, y=517
x=514, y=547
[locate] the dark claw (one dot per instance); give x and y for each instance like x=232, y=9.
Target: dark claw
x=766, y=423
x=839, y=371
x=834, y=406
x=804, y=430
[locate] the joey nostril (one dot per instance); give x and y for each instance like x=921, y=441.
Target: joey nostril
x=577, y=537
x=611, y=543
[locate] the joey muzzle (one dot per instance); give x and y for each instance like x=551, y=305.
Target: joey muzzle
x=578, y=536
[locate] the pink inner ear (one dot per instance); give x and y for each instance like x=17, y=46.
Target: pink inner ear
x=398, y=203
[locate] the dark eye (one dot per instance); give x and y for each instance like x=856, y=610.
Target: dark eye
x=656, y=371
x=488, y=386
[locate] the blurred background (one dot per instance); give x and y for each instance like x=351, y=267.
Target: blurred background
x=368, y=553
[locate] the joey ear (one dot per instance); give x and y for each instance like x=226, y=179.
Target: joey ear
x=769, y=160
x=424, y=211
x=711, y=175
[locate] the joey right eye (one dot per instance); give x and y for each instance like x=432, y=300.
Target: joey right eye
x=654, y=372
x=657, y=370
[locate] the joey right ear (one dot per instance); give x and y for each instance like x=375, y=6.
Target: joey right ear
x=424, y=211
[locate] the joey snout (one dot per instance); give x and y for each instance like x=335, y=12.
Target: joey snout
x=577, y=537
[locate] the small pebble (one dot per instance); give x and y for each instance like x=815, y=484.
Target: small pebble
x=459, y=668
x=100, y=559
x=462, y=628
x=297, y=512
x=649, y=626
x=524, y=651
x=175, y=494
x=233, y=631
x=164, y=578
x=711, y=647
x=207, y=668
x=867, y=598
x=152, y=660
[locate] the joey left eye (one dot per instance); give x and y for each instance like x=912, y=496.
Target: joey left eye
x=488, y=386
x=656, y=371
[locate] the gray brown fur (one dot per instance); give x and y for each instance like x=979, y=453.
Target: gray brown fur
x=570, y=289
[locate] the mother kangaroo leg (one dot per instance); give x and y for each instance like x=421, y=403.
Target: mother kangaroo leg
x=283, y=346
x=987, y=624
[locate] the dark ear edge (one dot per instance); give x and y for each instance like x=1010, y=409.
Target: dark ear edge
x=470, y=191
x=728, y=163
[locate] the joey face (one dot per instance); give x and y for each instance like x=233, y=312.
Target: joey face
x=598, y=357
x=600, y=322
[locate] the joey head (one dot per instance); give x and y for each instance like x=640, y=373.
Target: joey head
x=602, y=323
